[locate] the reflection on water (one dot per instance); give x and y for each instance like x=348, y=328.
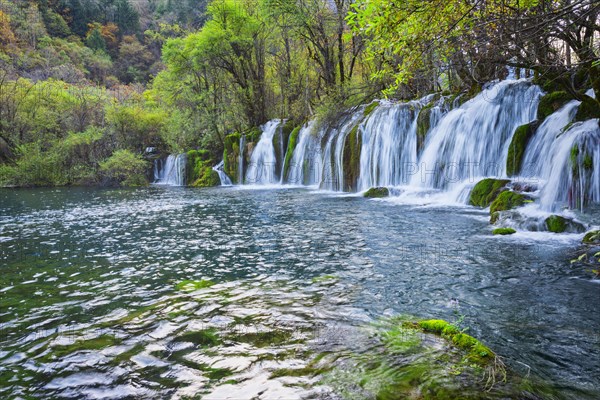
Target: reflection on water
x=90, y=304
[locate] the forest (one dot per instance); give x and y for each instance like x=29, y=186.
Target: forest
x=86, y=86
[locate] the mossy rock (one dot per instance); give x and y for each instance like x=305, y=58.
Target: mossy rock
x=291, y=146
x=517, y=147
x=280, y=144
x=588, y=109
x=253, y=134
x=551, y=103
x=558, y=224
x=504, y=231
x=377, y=192
x=351, y=159
x=592, y=237
x=506, y=201
x=370, y=108
x=477, y=352
x=423, y=126
x=547, y=85
x=486, y=191
x=199, y=172
x=231, y=153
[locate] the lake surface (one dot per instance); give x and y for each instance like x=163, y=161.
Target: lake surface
x=94, y=301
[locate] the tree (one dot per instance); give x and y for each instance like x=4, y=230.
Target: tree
x=95, y=41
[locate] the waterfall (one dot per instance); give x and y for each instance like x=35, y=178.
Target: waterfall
x=262, y=166
x=564, y=160
x=225, y=181
x=389, y=145
x=305, y=166
x=438, y=149
x=333, y=165
x=170, y=172
x=535, y=161
x=472, y=141
x=571, y=168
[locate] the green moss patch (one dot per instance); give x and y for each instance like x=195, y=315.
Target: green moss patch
x=556, y=224
x=189, y=285
x=377, y=192
x=291, y=146
x=588, y=109
x=477, y=352
x=231, y=153
x=551, y=103
x=504, y=231
x=517, y=147
x=428, y=359
x=199, y=169
x=370, y=108
x=507, y=200
x=486, y=191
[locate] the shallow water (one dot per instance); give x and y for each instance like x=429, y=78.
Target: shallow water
x=90, y=308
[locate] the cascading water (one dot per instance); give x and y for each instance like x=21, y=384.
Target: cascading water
x=262, y=166
x=389, y=145
x=333, y=165
x=472, y=140
x=305, y=166
x=225, y=181
x=564, y=160
x=170, y=172
x=572, y=169
x=442, y=159
x=535, y=159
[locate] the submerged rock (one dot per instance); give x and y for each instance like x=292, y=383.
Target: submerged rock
x=426, y=359
x=377, y=192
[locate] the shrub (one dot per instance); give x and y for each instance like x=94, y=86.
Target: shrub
x=125, y=168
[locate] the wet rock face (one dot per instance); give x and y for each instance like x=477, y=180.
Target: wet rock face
x=351, y=159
